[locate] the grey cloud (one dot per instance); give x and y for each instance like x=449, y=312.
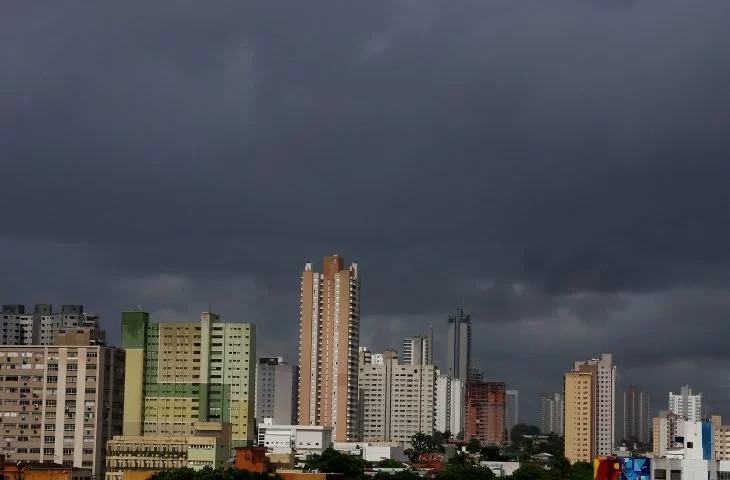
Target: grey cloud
x=557, y=165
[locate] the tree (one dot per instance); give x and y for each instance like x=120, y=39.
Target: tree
x=403, y=475
x=422, y=443
x=210, y=474
x=465, y=472
x=473, y=445
x=529, y=471
x=332, y=461
x=490, y=453
x=581, y=471
x=390, y=463
x=520, y=430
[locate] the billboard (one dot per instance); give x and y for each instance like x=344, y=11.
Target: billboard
x=621, y=468
x=635, y=468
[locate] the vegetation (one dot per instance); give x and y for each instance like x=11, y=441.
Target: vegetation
x=332, y=461
x=404, y=475
x=465, y=471
x=210, y=474
x=389, y=463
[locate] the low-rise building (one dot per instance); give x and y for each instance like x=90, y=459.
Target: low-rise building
x=253, y=459
x=501, y=469
x=208, y=446
x=299, y=439
x=373, y=451
x=41, y=471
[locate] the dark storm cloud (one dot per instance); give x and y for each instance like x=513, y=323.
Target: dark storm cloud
x=561, y=167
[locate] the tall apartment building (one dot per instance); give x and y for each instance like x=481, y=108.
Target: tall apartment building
x=474, y=374
x=449, y=409
x=686, y=404
x=605, y=401
x=396, y=401
x=458, y=350
x=484, y=412
x=41, y=327
x=61, y=403
x=511, y=410
x=579, y=397
x=329, y=340
x=666, y=427
x=551, y=413
x=192, y=373
x=277, y=391
x=418, y=350
x=722, y=438
x=636, y=427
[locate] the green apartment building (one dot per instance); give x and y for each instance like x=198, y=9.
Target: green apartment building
x=180, y=374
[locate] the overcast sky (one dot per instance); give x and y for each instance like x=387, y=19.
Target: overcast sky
x=561, y=167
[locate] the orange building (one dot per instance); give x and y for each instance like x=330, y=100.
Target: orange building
x=484, y=412
x=329, y=325
x=252, y=459
x=41, y=471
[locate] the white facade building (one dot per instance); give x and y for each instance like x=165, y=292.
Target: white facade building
x=449, y=414
x=42, y=325
x=418, y=350
x=396, y=401
x=605, y=425
x=301, y=439
x=373, y=451
x=551, y=414
x=686, y=404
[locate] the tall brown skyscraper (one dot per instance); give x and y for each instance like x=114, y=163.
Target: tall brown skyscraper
x=329, y=338
x=484, y=408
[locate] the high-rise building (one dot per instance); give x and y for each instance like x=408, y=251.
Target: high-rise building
x=666, y=427
x=511, y=410
x=636, y=416
x=580, y=401
x=41, y=327
x=418, y=350
x=551, y=414
x=277, y=391
x=449, y=409
x=458, y=352
x=328, y=348
x=61, y=403
x=396, y=401
x=605, y=400
x=188, y=374
x=484, y=412
x=474, y=374
x=722, y=438
x=686, y=404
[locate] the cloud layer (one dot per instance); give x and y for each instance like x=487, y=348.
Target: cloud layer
x=560, y=167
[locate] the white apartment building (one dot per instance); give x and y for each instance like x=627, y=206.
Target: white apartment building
x=42, y=325
x=60, y=404
x=665, y=428
x=396, y=401
x=277, y=390
x=302, y=439
x=686, y=404
x=551, y=414
x=605, y=426
x=449, y=406
x=418, y=350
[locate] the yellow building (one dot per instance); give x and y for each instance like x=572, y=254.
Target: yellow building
x=185, y=373
x=139, y=457
x=580, y=411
